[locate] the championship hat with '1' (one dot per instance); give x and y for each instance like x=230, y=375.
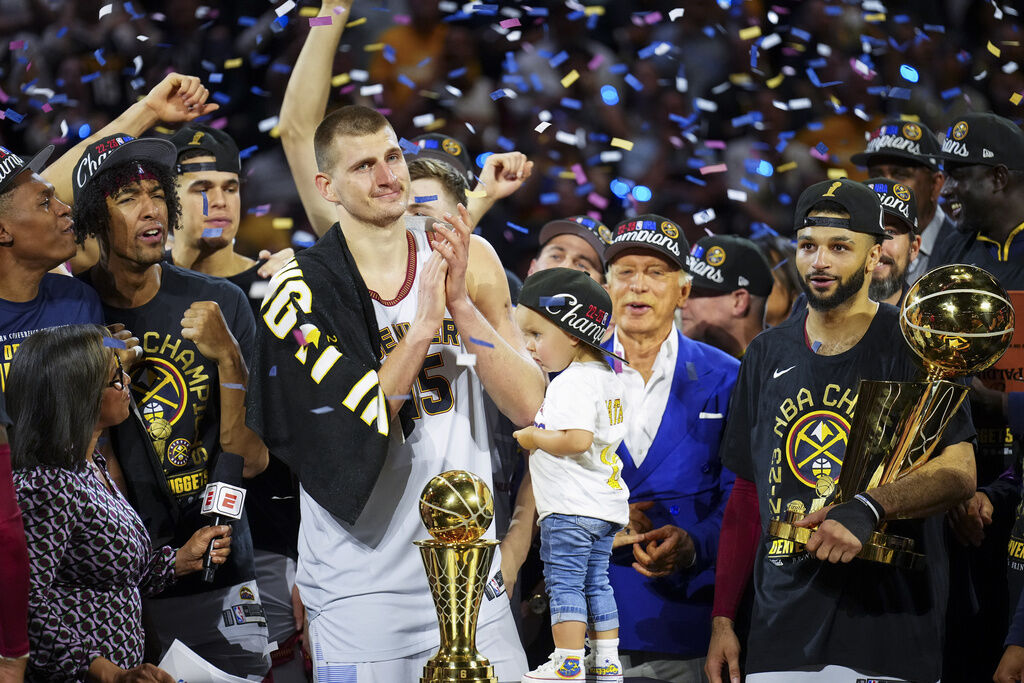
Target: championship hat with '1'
x=215, y=143
x=856, y=199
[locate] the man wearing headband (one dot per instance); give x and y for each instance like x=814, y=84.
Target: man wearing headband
x=816, y=617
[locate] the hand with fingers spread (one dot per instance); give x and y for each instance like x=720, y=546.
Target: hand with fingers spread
x=453, y=245
x=504, y=173
x=668, y=549
x=969, y=519
x=133, y=348
x=273, y=262
x=204, y=324
x=178, y=98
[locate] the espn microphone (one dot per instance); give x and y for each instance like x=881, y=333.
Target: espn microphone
x=223, y=500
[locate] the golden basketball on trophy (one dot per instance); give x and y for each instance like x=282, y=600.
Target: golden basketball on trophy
x=958, y=320
x=456, y=508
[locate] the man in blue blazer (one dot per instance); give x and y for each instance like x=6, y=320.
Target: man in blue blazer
x=677, y=395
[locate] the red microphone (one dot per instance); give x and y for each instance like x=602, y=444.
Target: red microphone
x=223, y=501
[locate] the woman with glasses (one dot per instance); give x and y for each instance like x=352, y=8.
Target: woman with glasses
x=90, y=554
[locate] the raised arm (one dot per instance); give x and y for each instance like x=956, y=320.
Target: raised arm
x=305, y=100
x=501, y=175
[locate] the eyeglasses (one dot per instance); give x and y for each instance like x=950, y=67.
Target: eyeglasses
x=118, y=380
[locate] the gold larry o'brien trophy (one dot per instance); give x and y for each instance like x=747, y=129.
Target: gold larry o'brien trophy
x=958, y=320
x=456, y=507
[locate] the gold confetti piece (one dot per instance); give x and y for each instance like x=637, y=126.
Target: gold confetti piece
x=750, y=32
x=282, y=223
x=275, y=132
x=624, y=144
x=876, y=17
x=775, y=81
x=373, y=47
x=836, y=173
x=435, y=124
x=308, y=12
x=567, y=174
x=785, y=167
x=356, y=22
x=478, y=194
x=1015, y=98
x=594, y=9
x=233, y=63
x=993, y=49
x=570, y=78
x=740, y=79
x=340, y=80
x=164, y=131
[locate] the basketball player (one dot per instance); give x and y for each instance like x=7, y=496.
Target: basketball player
x=442, y=320
x=815, y=615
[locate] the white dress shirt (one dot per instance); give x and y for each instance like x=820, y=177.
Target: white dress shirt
x=647, y=401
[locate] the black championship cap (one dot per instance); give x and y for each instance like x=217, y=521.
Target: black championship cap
x=443, y=148
x=984, y=139
x=573, y=301
x=11, y=165
x=908, y=140
x=725, y=263
x=897, y=201
x=113, y=149
x=652, y=232
x=597, y=234
x=857, y=199
x=216, y=143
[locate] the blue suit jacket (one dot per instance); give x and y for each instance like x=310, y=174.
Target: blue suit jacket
x=684, y=477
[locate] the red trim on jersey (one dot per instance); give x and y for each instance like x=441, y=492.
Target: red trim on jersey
x=737, y=548
x=410, y=276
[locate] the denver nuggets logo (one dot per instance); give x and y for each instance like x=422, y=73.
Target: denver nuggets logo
x=160, y=389
x=912, y=131
x=716, y=256
x=815, y=447
x=901, y=192
x=177, y=452
x=570, y=668
x=245, y=593
x=605, y=233
x=451, y=146
x=959, y=130
x=669, y=230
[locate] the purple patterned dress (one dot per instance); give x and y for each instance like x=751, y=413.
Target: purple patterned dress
x=90, y=557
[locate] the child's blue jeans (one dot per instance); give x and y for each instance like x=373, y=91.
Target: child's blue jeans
x=575, y=551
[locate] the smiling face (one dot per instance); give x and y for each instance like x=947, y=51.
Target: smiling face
x=834, y=263
x=550, y=347
x=897, y=254
x=968, y=193
x=568, y=251
x=645, y=292
x=370, y=179
x=138, y=223
x=34, y=224
x=217, y=227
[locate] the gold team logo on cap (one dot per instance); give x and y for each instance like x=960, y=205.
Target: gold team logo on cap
x=901, y=192
x=669, y=230
x=912, y=131
x=605, y=233
x=451, y=146
x=716, y=256
x=960, y=130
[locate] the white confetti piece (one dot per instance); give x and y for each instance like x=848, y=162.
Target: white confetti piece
x=676, y=13
x=258, y=289
x=105, y=10
x=359, y=75
x=542, y=126
x=800, y=103
x=737, y=195
x=705, y=105
x=267, y=124
x=770, y=41
x=467, y=359
x=370, y=90
x=705, y=216
x=565, y=138
x=285, y=8
x=423, y=120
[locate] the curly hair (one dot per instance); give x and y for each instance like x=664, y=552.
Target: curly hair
x=91, y=214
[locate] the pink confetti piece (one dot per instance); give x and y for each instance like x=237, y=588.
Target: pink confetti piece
x=321, y=21
x=299, y=337
x=47, y=108
x=653, y=18
x=597, y=200
x=714, y=144
x=509, y=23
x=595, y=62
x=403, y=19
x=716, y=168
x=581, y=177
x=16, y=44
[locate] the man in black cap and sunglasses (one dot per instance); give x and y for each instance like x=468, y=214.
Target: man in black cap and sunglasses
x=815, y=616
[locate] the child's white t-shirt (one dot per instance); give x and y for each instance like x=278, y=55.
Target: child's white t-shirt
x=586, y=396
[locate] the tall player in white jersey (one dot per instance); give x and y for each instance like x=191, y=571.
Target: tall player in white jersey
x=370, y=614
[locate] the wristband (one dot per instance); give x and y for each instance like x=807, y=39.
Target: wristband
x=857, y=515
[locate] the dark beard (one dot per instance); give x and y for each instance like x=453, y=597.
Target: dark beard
x=880, y=290
x=844, y=291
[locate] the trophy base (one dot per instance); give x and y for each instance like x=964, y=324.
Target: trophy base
x=891, y=549
x=452, y=672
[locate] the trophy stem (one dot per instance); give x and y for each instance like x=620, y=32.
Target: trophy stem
x=457, y=573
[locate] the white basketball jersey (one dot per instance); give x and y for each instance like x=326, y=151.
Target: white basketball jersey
x=365, y=581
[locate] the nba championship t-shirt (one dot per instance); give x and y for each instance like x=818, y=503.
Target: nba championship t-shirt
x=789, y=423
x=61, y=300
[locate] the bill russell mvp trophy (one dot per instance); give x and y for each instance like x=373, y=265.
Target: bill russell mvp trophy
x=456, y=507
x=958, y=320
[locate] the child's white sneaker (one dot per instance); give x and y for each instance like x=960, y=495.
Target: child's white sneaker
x=557, y=669
x=607, y=670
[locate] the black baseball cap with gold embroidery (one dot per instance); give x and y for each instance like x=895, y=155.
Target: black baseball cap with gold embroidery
x=216, y=143
x=725, y=263
x=11, y=166
x=983, y=138
x=649, y=231
x=443, y=148
x=897, y=201
x=856, y=199
x=594, y=232
x=906, y=140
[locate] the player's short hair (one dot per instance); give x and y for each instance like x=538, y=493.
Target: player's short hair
x=353, y=119
x=7, y=200
x=454, y=183
x=90, y=213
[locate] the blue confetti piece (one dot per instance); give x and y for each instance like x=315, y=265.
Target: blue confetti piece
x=642, y=193
x=506, y=144
x=674, y=510
x=84, y=131
x=498, y=94
x=425, y=199
x=481, y=158
x=457, y=73
x=900, y=93
x=510, y=62
x=62, y=31
x=408, y=147
x=216, y=77
x=213, y=232
x=951, y=93
x=248, y=151
x=551, y=301
x=423, y=62
x=750, y=185
x=114, y=343
x=558, y=59
x=691, y=370
x=281, y=68
x=206, y=205
x=98, y=54
x=388, y=53
x=833, y=10
x=609, y=94
x=822, y=148
x=935, y=28
x=13, y=115
x=800, y=33
x=481, y=342
x=406, y=81
x=697, y=251
x=322, y=410
x=88, y=78
x=617, y=69
x=259, y=92
x=518, y=228
x=273, y=371
x=573, y=16
x=634, y=82
x=246, y=21
x=697, y=181
x=221, y=97
x=753, y=56
x=550, y=198
x=228, y=385
x=208, y=65
x=570, y=103
x=815, y=346
x=537, y=11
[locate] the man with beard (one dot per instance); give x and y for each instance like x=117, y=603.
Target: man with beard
x=902, y=249
x=907, y=152
x=816, y=615
x=190, y=384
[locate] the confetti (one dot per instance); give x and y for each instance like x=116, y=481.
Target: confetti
x=481, y=342
x=424, y=199
x=105, y=10
x=642, y=193
x=716, y=168
x=213, y=232
x=993, y=49
x=509, y=23
x=320, y=21
x=750, y=33
x=551, y=301
x=206, y=206
x=370, y=90
x=705, y=216
x=233, y=63
x=285, y=8
x=399, y=397
x=273, y=371
x=466, y=359
x=676, y=13
x=114, y=343
x=815, y=346
x=542, y=126
x=322, y=410
x=570, y=78
x=227, y=385
x=515, y=227
x=1015, y=98
x=624, y=144
x=597, y=200
x=356, y=22
x=609, y=94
